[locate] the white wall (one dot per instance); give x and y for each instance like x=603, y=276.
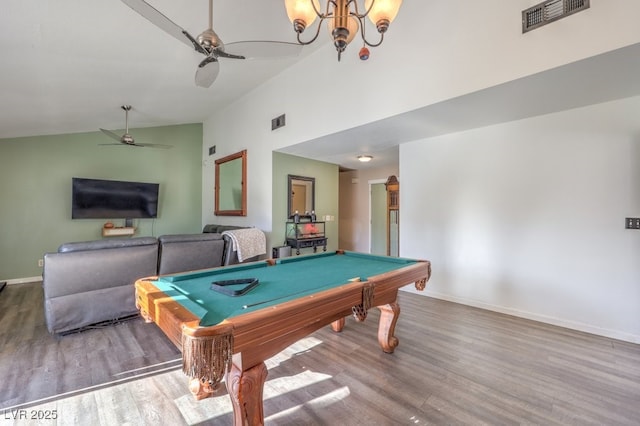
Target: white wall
x=528, y=217
x=437, y=50
x=229, y=139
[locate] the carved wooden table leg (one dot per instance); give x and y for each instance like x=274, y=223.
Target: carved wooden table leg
x=338, y=325
x=245, y=389
x=388, y=318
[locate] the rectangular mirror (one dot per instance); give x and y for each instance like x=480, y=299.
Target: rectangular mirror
x=230, y=187
x=301, y=194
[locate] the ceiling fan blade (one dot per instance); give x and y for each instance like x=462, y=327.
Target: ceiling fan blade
x=223, y=54
x=111, y=134
x=264, y=49
x=207, y=72
x=153, y=145
x=167, y=25
x=195, y=43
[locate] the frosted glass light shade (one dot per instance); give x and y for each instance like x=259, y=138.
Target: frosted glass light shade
x=302, y=10
x=352, y=26
x=383, y=10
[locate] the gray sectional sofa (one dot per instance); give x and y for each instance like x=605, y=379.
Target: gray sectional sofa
x=91, y=282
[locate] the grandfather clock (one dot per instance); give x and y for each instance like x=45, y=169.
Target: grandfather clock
x=393, y=213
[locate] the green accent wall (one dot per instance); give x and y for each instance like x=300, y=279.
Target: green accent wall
x=326, y=190
x=35, y=189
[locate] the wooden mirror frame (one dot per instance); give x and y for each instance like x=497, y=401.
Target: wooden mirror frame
x=290, y=179
x=242, y=155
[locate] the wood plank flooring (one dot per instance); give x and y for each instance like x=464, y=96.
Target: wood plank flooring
x=455, y=365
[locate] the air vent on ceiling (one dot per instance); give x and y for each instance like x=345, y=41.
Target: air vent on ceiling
x=549, y=11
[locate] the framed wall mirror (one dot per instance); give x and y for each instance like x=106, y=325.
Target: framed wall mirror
x=301, y=194
x=230, y=188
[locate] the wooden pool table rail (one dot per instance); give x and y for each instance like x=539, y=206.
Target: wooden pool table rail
x=257, y=335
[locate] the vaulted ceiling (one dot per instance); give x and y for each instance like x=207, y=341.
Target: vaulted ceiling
x=67, y=66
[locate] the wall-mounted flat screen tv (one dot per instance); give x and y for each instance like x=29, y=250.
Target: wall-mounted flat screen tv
x=111, y=199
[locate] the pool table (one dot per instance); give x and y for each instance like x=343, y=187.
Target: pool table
x=257, y=309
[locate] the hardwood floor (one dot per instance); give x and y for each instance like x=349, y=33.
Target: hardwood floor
x=454, y=365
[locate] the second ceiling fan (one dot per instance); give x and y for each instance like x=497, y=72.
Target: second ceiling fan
x=209, y=44
x=126, y=139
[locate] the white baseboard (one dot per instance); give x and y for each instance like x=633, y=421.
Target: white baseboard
x=587, y=328
x=23, y=280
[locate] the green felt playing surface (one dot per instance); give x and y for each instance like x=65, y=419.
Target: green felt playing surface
x=290, y=278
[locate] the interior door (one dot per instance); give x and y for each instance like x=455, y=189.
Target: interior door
x=378, y=213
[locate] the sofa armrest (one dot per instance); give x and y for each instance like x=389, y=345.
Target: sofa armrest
x=219, y=229
x=81, y=271
x=231, y=256
x=83, y=287
x=107, y=244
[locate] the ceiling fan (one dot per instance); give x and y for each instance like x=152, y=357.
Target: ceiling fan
x=209, y=44
x=127, y=139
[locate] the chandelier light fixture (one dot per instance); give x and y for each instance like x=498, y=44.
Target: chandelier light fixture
x=344, y=19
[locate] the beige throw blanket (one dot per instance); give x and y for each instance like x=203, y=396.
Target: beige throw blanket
x=247, y=242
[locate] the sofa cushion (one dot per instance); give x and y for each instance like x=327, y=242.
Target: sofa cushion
x=188, y=252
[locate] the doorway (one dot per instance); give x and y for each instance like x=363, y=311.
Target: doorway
x=381, y=239
x=378, y=217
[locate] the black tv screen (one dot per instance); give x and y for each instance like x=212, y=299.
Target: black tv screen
x=111, y=199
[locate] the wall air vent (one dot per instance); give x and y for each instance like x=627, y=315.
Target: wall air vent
x=278, y=122
x=549, y=11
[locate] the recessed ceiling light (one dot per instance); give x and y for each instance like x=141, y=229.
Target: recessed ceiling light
x=365, y=158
